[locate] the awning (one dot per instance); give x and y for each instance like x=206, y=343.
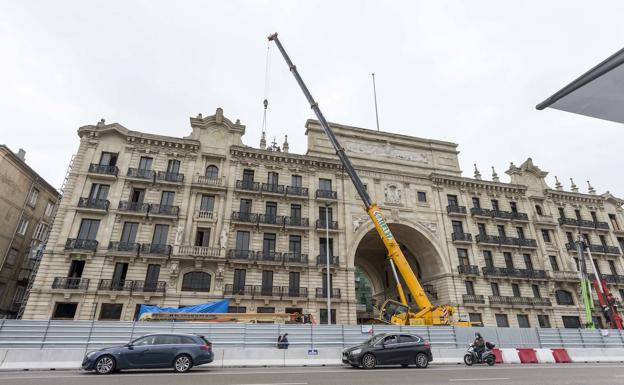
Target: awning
x=598, y=93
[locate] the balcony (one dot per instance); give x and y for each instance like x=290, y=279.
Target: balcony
x=267, y=291
x=534, y=274
x=103, y=169
x=518, y=216
x=499, y=214
x=468, y=269
x=506, y=241
x=296, y=222
x=273, y=188
x=461, y=237
x=297, y=191
x=96, y=204
x=519, y=301
x=237, y=254
x=583, y=223
x=565, y=275
x=124, y=247
x=321, y=224
x=244, y=217
x=68, y=283
x=133, y=207
x=269, y=219
x=209, y=181
x=149, y=286
x=156, y=249
x=601, y=249
x=322, y=293
x=168, y=210
x=269, y=256
x=198, y=251
x=171, y=177
x=205, y=215
x=247, y=185
x=490, y=239
x=321, y=260
x=473, y=298
x=111, y=285
x=326, y=194
x=294, y=292
x=492, y=271
x=613, y=278
x=140, y=173
x=457, y=210
x=244, y=290
x=512, y=272
x=295, y=258
x=479, y=212
x=81, y=244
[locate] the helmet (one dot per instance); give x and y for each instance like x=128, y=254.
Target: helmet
x=477, y=335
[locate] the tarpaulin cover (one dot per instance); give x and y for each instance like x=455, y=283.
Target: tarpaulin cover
x=212, y=307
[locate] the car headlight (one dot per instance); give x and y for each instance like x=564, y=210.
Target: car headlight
x=356, y=351
x=91, y=354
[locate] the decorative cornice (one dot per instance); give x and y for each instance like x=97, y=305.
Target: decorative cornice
x=573, y=196
x=284, y=157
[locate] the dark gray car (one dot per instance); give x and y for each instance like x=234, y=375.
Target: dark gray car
x=178, y=351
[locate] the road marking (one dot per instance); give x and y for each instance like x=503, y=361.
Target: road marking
x=279, y=383
x=479, y=379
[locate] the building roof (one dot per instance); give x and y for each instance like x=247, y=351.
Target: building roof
x=28, y=169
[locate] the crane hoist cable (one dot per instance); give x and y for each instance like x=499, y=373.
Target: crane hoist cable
x=267, y=82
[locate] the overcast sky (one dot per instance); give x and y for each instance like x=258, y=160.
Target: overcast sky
x=470, y=72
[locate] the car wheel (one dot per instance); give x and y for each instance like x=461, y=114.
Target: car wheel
x=105, y=365
x=468, y=359
x=369, y=361
x=490, y=360
x=182, y=363
x=422, y=361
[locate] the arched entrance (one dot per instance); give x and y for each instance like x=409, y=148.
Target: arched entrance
x=374, y=281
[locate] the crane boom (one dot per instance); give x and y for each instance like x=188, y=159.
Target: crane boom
x=373, y=211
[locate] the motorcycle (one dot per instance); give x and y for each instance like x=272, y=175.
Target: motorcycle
x=487, y=356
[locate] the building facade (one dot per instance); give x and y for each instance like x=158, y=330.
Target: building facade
x=27, y=205
x=150, y=219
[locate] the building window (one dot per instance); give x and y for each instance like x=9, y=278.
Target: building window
x=323, y=316
x=294, y=244
x=166, y=199
x=495, y=206
x=543, y=320
x=239, y=281
x=202, y=238
x=508, y=260
x=295, y=213
x=612, y=267
x=32, y=199
x=237, y=309
x=212, y=171
x=513, y=206
x=520, y=232
x=23, y=226
x=564, y=297
x=458, y=227
x=487, y=256
x=515, y=289
x=160, y=234
x=196, y=281
x=469, y=288
x=538, y=210
x=561, y=212
x=65, y=310
x=462, y=255
x=422, y=196
x=111, y=311
x=594, y=216
x=495, y=290
x=296, y=181
x=88, y=229
x=501, y=231
x=475, y=319
x=476, y=203
x=614, y=222
x=173, y=166
x=553, y=262
x=571, y=322
x=452, y=200
x=621, y=243
x=242, y=240
x=523, y=321
x=502, y=321
x=577, y=212
x=536, y=291
x=546, y=235
x=528, y=263
x=323, y=248
x=325, y=184
x=482, y=229
x=108, y=159
x=603, y=240
x=40, y=231
x=207, y=203
x=268, y=244
x=129, y=232
x=270, y=210
x=11, y=257
x=272, y=178
x=145, y=163
x=265, y=309
x=267, y=282
x=49, y=208
x=570, y=237
x=245, y=206
x=248, y=178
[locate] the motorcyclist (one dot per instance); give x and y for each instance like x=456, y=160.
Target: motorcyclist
x=479, y=345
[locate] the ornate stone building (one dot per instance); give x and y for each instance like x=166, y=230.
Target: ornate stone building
x=150, y=219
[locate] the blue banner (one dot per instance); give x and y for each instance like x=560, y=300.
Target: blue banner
x=212, y=307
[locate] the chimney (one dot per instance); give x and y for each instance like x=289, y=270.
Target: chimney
x=21, y=154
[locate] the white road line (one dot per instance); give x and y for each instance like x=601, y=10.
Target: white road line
x=479, y=379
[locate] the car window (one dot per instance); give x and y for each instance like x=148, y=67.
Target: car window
x=187, y=340
x=391, y=340
x=204, y=340
x=148, y=340
x=167, y=340
x=407, y=338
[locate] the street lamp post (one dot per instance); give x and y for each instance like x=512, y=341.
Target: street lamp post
x=327, y=262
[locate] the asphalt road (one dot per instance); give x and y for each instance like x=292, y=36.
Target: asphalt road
x=581, y=374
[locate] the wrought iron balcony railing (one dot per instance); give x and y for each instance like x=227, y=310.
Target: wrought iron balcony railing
x=584, y=223
x=241, y=254
x=322, y=293
x=461, y=237
x=103, y=169
x=243, y=290
x=321, y=260
x=267, y=291
x=248, y=185
x=270, y=219
x=269, y=256
x=245, y=217
x=296, y=222
x=322, y=224
x=468, y=269
x=297, y=191
x=473, y=298
x=273, y=188
x=92, y=203
x=70, y=283
x=150, y=286
x=295, y=258
x=174, y=177
x=81, y=244
x=294, y=292
x=137, y=207
x=155, y=248
x=326, y=194
x=115, y=285
x=456, y=209
x=140, y=173
x=156, y=209
x=128, y=247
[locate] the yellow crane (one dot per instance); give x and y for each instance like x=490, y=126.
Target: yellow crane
x=392, y=311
